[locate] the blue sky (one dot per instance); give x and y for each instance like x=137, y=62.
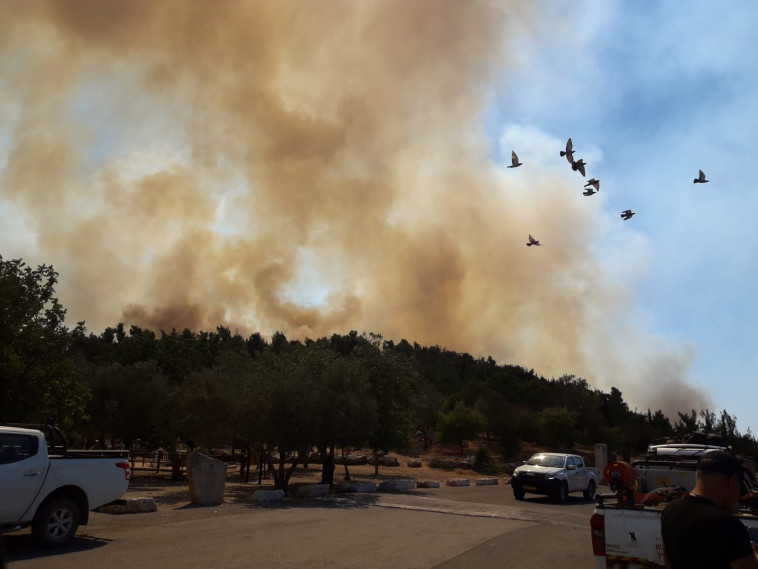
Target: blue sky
x=350, y=174
x=662, y=90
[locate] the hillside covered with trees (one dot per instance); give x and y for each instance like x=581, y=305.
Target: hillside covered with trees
x=352, y=390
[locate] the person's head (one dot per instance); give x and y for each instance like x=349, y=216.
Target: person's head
x=720, y=479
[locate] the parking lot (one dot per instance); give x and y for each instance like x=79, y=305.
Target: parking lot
x=447, y=527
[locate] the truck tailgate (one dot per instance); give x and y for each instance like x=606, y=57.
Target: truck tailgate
x=634, y=534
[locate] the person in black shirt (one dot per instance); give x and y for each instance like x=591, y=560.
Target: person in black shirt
x=699, y=530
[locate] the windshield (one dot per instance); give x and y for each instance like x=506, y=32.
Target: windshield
x=546, y=460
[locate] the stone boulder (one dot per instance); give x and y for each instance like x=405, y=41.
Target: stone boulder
x=465, y=463
x=356, y=487
x=268, y=496
x=351, y=459
x=427, y=484
x=459, y=482
x=312, y=490
x=206, y=477
x=415, y=463
x=486, y=481
x=129, y=506
x=441, y=463
x=395, y=485
x=384, y=461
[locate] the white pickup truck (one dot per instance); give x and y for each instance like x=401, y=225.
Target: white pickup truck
x=556, y=475
x=626, y=523
x=45, y=485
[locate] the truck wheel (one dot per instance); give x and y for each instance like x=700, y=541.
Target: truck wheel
x=56, y=523
x=562, y=494
x=589, y=493
x=518, y=493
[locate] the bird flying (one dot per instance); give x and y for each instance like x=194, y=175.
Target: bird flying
x=514, y=160
x=532, y=241
x=700, y=179
x=627, y=214
x=593, y=182
x=589, y=192
x=579, y=166
x=569, y=152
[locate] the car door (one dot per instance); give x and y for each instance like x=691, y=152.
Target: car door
x=22, y=472
x=580, y=474
x=571, y=473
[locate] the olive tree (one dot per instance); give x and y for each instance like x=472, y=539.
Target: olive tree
x=38, y=378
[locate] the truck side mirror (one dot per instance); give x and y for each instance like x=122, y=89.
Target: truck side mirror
x=571, y=467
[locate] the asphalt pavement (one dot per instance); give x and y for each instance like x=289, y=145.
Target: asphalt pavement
x=444, y=528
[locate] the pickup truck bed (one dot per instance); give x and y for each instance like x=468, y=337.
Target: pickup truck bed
x=626, y=525
x=630, y=538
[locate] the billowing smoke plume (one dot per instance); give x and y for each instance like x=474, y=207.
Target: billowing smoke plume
x=309, y=167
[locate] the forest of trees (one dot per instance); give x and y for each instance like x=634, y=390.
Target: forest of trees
x=157, y=389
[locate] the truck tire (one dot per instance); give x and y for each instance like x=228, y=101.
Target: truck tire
x=518, y=493
x=55, y=523
x=562, y=494
x=589, y=493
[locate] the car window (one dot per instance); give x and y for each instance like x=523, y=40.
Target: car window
x=570, y=461
x=16, y=447
x=546, y=460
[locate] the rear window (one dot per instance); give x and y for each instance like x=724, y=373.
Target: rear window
x=16, y=447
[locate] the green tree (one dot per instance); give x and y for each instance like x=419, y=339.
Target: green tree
x=687, y=423
x=38, y=378
x=460, y=425
x=727, y=427
x=283, y=409
x=556, y=426
x=347, y=410
x=130, y=403
x=393, y=379
x=502, y=421
x=209, y=409
x=708, y=420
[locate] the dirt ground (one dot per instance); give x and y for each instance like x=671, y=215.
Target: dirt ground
x=149, y=484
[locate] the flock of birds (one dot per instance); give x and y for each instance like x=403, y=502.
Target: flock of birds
x=578, y=166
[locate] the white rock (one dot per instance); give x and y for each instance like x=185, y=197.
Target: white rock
x=206, y=477
x=486, y=481
x=130, y=506
x=356, y=487
x=427, y=484
x=389, y=485
x=311, y=490
x=268, y=495
x=458, y=482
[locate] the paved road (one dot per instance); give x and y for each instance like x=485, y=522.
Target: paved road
x=444, y=528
